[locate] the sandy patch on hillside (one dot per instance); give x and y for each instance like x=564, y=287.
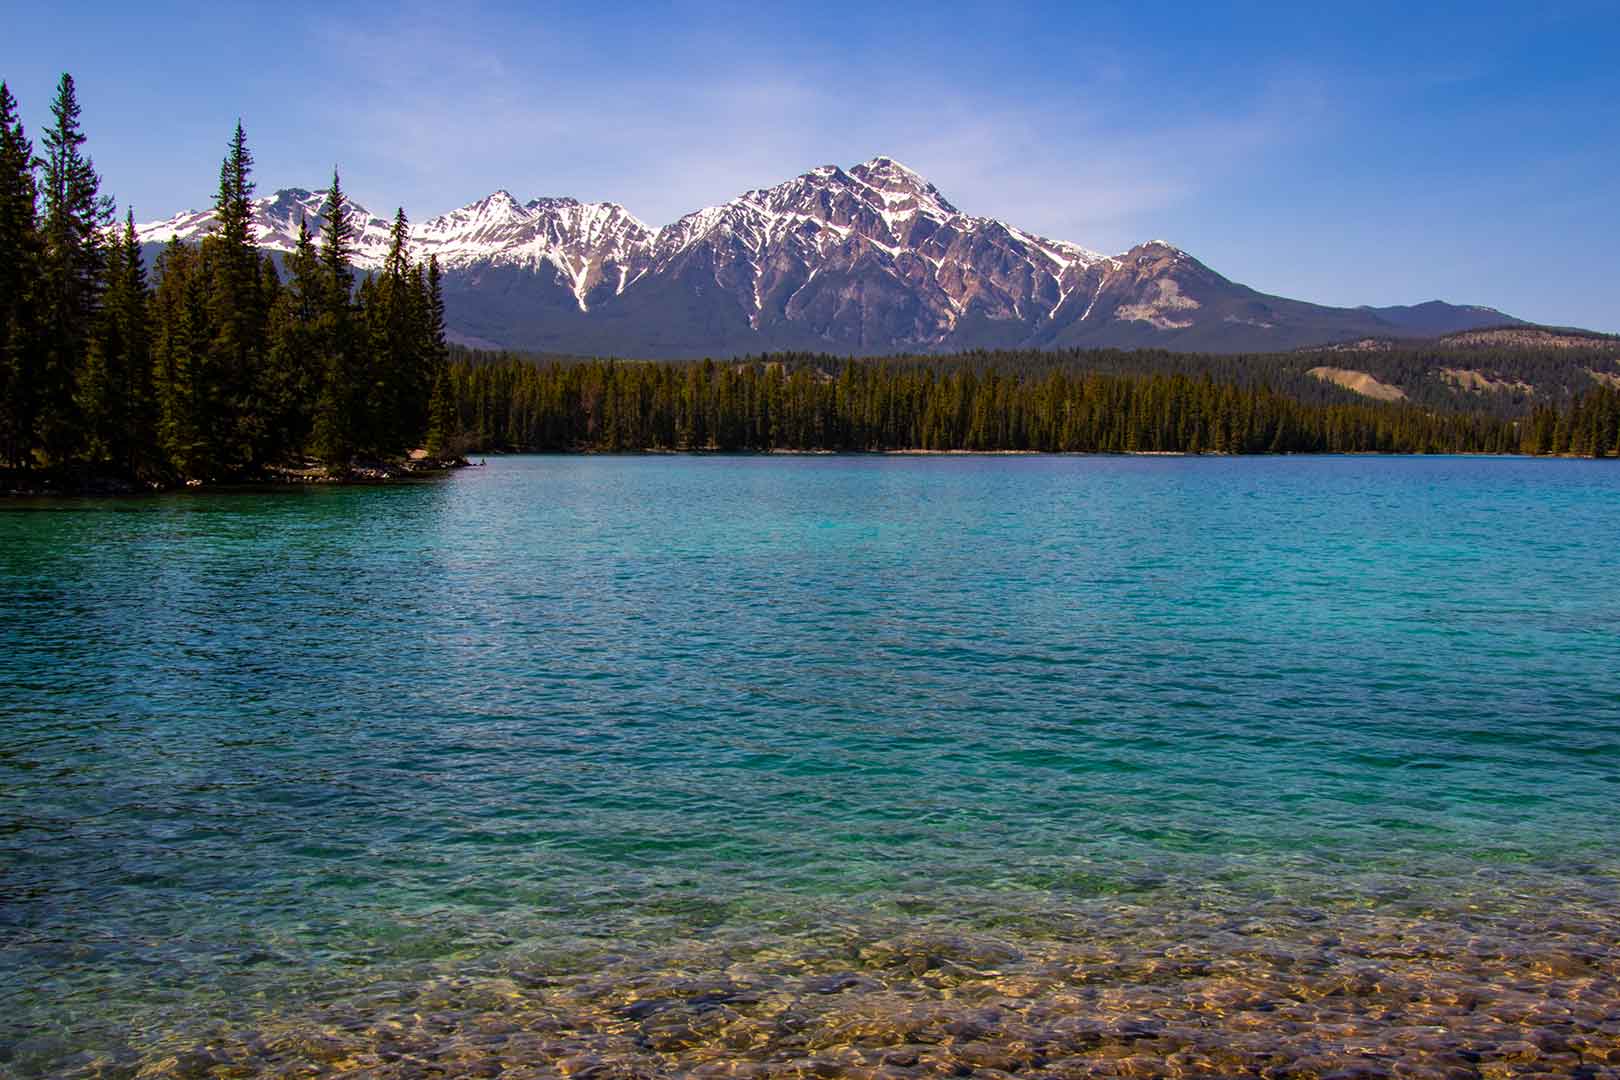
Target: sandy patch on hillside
x=1468, y=379
x=1360, y=382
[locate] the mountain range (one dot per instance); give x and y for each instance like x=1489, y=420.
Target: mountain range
x=867, y=260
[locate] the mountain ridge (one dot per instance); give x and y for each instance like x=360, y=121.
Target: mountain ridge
x=869, y=259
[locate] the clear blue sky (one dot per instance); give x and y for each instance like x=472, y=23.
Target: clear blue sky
x=1385, y=154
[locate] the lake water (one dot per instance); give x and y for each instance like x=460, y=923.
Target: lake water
x=819, y=766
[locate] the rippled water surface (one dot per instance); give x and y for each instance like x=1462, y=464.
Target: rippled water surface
x=819, y=767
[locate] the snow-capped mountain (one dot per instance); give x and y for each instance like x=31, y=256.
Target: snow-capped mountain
x=870, y=259
x=590, y=247
x=276, y=218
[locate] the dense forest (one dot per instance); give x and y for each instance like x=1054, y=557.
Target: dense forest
x=1520, y=377
x=215, y=364
x=218, y=367
x=508, y=403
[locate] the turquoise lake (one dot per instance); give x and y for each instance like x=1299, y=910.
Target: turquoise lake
x=819, y=766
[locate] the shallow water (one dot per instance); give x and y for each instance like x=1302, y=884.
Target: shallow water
x=819, y=766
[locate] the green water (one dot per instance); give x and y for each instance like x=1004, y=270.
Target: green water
x=580, y=731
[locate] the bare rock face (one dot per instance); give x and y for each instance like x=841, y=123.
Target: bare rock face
x=873, y=259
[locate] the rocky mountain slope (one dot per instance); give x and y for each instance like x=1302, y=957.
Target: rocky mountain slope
x=871, y=259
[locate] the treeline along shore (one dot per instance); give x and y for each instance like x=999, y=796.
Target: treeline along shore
x=987, y=402
x=217, y=365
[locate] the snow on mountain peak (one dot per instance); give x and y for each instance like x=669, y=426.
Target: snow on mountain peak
x=885, y=172
x=498, y=204
x=872, y=257
x=886, y=163
x=275, y=223
x=898, y=182
x=879, y=209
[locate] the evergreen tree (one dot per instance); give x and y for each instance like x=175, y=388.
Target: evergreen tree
x=333, y=437
x=443, y=420
x=106, y=379
x=19, y=267
x=442, y=434
x=128, y=322
x=70, y=280
x=114, y=397
x=180, y=339
x=237, y=314
x=397, y=391
x=293, y=367
x=949, y=404
x=436, y=354
x=437, y=350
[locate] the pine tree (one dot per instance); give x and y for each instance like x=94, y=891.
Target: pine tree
x=114, y=398
x=442, y=435
x=233, y=203
x=76, y=214
x=435, y=356
x=271, y=446
x=129, y=322
x=396, y=390
x=100, y=404
x=237, y=316
x=333, y=438
x=19, y=267
x=293, y=371
x=180, y=336
x=437, y=350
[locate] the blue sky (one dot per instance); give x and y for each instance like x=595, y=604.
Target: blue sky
x=1383, y=154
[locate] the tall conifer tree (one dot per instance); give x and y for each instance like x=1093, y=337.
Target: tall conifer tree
x=128, y=322
x=180, y=343
x=237, y=314
x=443, y=420
x=75, y=216
x=400, y=383
x=438, y=350
x=333, y=437
x=19, y=267
x=293, y=369
x=115, y=387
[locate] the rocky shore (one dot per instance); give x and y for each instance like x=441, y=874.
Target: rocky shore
x=86, y=483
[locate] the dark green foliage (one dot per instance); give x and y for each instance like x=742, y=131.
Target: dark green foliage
x=511, y=404
x=341, y=380
x=1591, y=427
x=180, y=339
x=438, y=352
x=19, y=270
x=401, y=377
x=219, y=369
x=442, y=422
x=71, y=275
x=237, y=314
x=443, y=425
x=115, y=388
x=292, y=376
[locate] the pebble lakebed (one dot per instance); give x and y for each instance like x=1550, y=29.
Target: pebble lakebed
x=1278, y=991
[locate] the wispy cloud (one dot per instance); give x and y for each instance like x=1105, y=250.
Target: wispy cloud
x=446, y=115
x=1345, y=153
